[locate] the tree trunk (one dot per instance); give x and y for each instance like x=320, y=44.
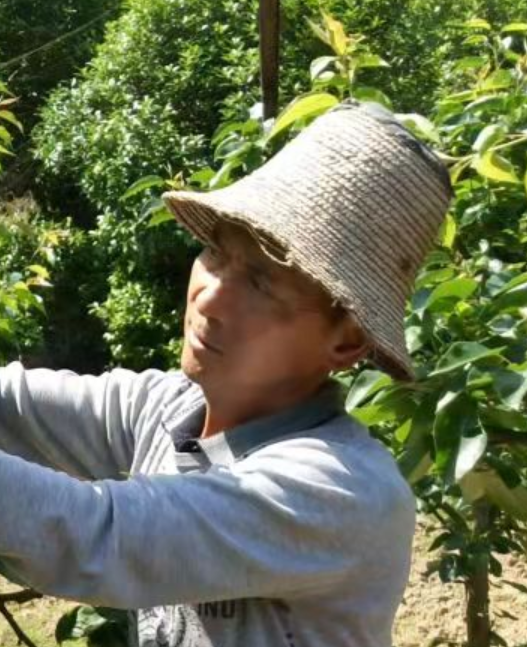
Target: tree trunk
x=477, y=587
x=269, y=19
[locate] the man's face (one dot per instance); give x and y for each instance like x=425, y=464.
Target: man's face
x=252, y=324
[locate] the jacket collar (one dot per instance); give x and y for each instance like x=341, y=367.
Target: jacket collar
x=229, y=445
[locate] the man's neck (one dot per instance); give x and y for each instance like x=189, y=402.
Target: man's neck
x=226, y=412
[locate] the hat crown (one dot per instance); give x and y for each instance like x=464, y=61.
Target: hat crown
x=355, y=201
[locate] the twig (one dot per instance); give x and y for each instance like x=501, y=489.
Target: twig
x=20, y=597
x=22, y=637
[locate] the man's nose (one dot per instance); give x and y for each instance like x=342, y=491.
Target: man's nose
x=218, y=296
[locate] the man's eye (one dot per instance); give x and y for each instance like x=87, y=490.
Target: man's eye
x=260, y=284
x=212, y=253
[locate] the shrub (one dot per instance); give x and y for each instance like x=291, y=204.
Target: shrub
x=26, y=25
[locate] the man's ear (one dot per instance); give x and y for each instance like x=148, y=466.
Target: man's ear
x=348, y=344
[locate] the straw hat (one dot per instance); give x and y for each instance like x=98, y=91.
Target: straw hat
x=354, y=201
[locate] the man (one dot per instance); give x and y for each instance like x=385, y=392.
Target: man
x=255, y=512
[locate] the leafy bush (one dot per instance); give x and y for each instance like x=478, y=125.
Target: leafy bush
x=26, y=25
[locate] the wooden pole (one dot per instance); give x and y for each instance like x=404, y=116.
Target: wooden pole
x=269, y=22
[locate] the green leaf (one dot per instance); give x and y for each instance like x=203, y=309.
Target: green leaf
x=320, y=65
x=487, y=137
x=307, y=106
x=365, y=385
x=371, y=60
x=39, y=270
x=202, y=177
x=319, y=32
x=337, y=36
x=374, y=414
x=470, y=451
x=510, y=386
x=223, y=177
x=507, y=419
x=453, y=290
x=4, y=151
x=492, y=166
x=520, y=279
x=415, y=460
x=10, y=117
x=462, y=353
x=469, y=63
x=512, y=299
x=420, y=125
x=489, y=484
x=477, y=23
x=80, y=622
x=456, y=416
x=163, y=215
x=5, y=136
x=448, y=231
x=226, y=129
x=498, y=80
x=143, y=184
x=367, y=93
x=431, y=277
x=515, y=27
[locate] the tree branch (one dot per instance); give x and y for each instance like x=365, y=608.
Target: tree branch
x=22, y=637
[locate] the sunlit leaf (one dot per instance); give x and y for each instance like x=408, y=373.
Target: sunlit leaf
x=143, y=184
x=489, y=484
x=420, y=125
x=511, y=299
x=337, y=36
x=367, y=93
x=365, y=385
x=510, y=386
x=431, y=277
x=371, y=60
x=498, y=80
x=456, y=416
x=39, y=270
x=319, y=32
x=10, y=117
x=469, y=63
x=495, y=167
x=159, y=217
x=477, y=23
x=515, y=27
x=453, y=290
x=470, y=451
x=320, y=65
x=462, y=353
x=487, y=137
x=502, y=418
x=307, y=106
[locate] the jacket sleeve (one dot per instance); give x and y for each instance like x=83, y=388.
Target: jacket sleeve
x=276, y=522
x=84, y=425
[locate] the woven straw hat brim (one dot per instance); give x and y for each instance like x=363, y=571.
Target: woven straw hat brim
x=350, y=204
x=199, y=214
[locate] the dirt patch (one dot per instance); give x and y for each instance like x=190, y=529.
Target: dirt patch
x=431, y=614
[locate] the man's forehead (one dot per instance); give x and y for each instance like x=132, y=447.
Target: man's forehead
x=235, y=237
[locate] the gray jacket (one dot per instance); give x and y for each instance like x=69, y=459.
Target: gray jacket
x=291, y=531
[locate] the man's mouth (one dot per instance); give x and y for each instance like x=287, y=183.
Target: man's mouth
x=200, y=342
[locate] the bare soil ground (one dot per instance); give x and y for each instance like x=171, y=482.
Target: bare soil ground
x=431, y=614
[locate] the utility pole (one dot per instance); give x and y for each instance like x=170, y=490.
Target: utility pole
x=269, y=21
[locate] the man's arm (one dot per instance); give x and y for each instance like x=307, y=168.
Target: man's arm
x=283, y=521
x=83, y=425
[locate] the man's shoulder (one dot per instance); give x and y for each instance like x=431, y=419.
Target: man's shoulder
x=342, y=452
